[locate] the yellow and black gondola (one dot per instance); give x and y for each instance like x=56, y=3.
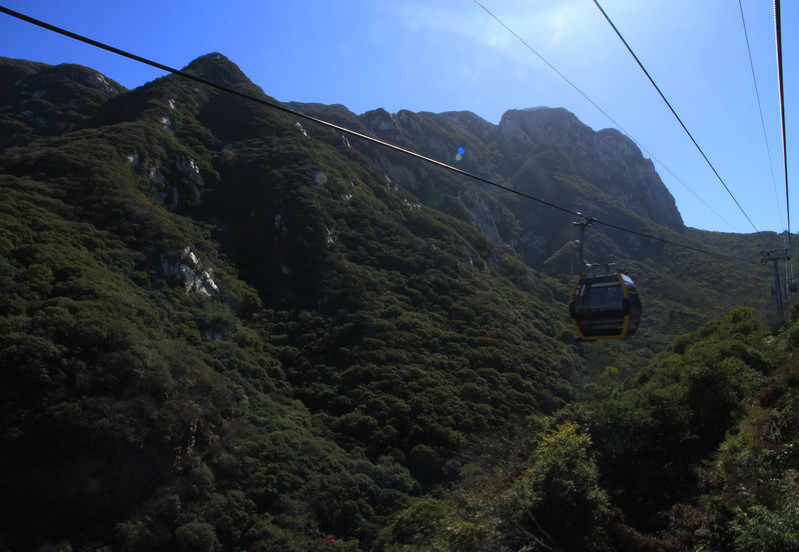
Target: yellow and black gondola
x=605, y=306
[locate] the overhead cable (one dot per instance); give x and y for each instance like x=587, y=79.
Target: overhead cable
x=760, y=109
x=611, y=119
x=641, y=65
x=778, y=36
x=372, y=139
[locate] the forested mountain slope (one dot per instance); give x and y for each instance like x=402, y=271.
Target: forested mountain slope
x=697, y=452
x=222, y=327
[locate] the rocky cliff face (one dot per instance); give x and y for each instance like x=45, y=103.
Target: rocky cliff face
x=547, y=153
x=607, y=159
x=524, y=151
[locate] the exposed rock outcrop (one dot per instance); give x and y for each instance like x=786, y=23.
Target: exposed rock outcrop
x=607, y=159
x=196, y=278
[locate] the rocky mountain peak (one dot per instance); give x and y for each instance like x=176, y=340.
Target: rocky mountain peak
x=217, y=68
x=382, y=123
x=541, y=124
x=470, y=123
x=607, y=158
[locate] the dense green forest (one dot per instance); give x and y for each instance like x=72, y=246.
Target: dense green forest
x=224, y=329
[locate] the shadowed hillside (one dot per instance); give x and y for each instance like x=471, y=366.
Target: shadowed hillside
x=223, y=327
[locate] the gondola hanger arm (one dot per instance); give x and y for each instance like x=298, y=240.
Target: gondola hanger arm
x=587, y=221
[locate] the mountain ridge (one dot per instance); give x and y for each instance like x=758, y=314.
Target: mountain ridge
x=297, y=334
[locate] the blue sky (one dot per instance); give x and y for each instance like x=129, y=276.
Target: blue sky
x=447, y=55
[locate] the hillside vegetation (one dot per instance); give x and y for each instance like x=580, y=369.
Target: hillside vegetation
x=224, y=329
x=694, y=453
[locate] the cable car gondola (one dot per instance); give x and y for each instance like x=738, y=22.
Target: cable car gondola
x=605, y=306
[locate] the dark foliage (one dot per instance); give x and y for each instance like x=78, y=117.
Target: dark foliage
x=222, y=328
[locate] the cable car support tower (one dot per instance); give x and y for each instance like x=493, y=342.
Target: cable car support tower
x=775, y=256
